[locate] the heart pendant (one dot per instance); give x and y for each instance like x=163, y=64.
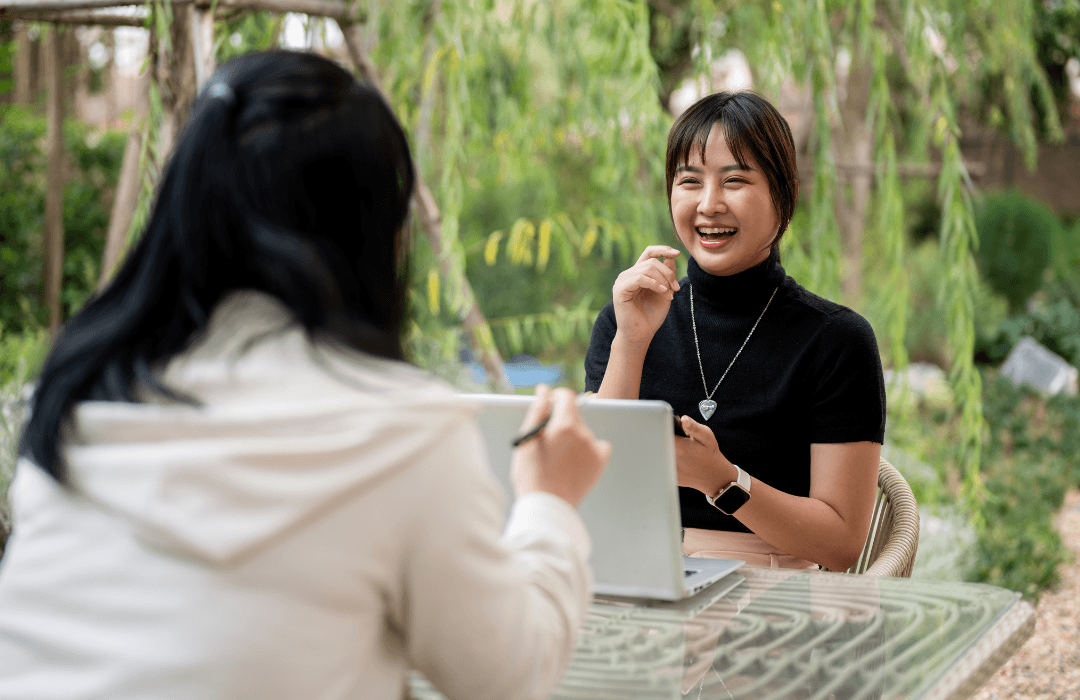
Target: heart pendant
x=707, y=408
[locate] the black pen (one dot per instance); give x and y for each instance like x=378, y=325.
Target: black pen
x=529, y=435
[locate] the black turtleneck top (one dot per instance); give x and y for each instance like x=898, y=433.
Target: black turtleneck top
x=811, y=373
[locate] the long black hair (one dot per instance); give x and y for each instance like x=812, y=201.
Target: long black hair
x=290, y=177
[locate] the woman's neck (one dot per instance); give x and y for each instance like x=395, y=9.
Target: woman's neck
x=744, y=291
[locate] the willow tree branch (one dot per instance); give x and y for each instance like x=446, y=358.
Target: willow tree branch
x=427, y=211
x=427, y=98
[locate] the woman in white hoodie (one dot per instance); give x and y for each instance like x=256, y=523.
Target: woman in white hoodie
x=233, y=486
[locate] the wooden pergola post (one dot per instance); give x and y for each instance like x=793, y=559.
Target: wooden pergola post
x=24, y=65
x=55, y=177
x=202, y=45
x=124, y=203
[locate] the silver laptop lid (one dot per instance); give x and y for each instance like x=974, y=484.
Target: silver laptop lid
x=633, y=512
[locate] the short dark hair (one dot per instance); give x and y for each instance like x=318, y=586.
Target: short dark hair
x=752, y=127
x=290, y=177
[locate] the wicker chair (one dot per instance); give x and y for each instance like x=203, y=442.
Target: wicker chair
x=894, y=529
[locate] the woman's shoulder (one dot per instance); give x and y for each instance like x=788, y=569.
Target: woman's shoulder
x=834, y=315
x=254, y=349
x=376, y=376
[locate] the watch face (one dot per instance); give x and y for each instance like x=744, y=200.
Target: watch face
x=732, y=498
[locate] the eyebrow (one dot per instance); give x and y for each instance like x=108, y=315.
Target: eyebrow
x=726, y=168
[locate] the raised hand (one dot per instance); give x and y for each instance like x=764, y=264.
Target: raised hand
x=642, y=294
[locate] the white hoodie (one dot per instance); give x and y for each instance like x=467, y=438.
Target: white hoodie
x=319, y=524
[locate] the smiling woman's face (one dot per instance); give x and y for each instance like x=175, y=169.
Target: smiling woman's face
x=723, y=210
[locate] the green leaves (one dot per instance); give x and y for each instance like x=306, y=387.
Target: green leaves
x=958, y=237
x=95, y=162
x=539, y=128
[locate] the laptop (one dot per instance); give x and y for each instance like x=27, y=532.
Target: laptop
x=632, y=513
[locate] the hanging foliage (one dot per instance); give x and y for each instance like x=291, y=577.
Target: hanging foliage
x=930, y=59
x=540, y=127
x=542, y=131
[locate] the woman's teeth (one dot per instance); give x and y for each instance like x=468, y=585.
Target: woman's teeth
x=713, y=234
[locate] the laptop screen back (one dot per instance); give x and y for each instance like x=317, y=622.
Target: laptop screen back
x=633, y=512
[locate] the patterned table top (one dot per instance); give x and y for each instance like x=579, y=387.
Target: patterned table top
x=773, y=634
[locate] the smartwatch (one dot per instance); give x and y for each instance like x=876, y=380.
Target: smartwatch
x=733, y=496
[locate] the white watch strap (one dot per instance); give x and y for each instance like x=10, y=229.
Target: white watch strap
x=743, y=478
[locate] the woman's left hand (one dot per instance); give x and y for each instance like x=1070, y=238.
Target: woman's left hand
x=701, y=465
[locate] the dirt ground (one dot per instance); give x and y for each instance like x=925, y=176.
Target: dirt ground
x=1047, y=667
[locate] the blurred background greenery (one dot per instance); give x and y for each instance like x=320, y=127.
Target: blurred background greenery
x=937, y=145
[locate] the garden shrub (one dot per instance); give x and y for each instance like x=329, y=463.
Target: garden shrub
x=94, y=160
x=1056, y=325
x=21, y=357
x=1031, y=458
x=22, y=354
x=93, y=165
x=927, y=332
x=1018, y=546
x=1064, y=281
x=1052, y=314
x=1015, y=239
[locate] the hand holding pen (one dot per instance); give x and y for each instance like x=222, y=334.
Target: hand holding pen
x=561, y=456
x=530, y=434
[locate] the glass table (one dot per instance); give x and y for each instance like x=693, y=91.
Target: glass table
x=775, y=634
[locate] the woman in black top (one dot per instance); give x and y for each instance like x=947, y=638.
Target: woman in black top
x=766, y=375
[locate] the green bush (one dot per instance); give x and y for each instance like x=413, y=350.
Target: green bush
x=1016, y=235
x=1031, y=458
x=1018, y=548
x=927, y=332
x=95, y=164
x=1018, y=545
x=21, y=357
x=1064, y=282
x=1055, y=325
x=1051, y=316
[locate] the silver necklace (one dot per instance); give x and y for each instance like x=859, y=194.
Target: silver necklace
x=708, y=406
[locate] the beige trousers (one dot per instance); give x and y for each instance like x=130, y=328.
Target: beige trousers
x=718, y=544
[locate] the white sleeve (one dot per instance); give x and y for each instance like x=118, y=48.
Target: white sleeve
x=487, y=613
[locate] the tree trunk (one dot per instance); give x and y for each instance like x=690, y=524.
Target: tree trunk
x=54, y=193
x=123, y=207
x=852, y=144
